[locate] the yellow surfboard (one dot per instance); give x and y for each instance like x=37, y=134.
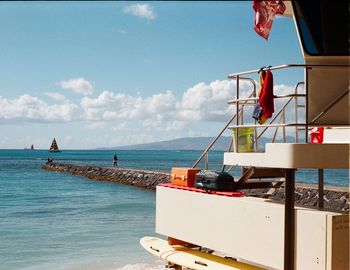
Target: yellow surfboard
x=190, y=258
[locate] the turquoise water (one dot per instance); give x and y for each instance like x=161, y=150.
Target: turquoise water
x=52, y=220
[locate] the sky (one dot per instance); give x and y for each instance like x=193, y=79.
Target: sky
x=105, y=74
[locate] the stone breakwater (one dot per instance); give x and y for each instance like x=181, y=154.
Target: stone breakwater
x=138, y=178
x=335, y=198
x=306, y=195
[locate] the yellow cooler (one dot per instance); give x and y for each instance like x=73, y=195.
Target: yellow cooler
x=245, y=140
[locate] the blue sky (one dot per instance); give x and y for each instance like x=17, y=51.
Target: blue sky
x=105, y=74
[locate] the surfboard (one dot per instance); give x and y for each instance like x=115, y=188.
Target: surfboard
x=193, y=259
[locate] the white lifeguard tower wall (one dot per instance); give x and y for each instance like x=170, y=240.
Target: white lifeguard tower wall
x=325, y=85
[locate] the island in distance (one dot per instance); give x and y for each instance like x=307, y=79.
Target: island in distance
x=189, y=143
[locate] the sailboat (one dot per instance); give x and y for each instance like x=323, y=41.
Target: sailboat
x=31, y=147
x=54, y=147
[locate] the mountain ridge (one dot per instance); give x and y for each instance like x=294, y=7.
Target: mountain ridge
x=186, y=143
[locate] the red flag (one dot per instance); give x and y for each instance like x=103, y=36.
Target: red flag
x=265, y=12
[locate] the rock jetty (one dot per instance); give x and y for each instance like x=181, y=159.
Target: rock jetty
x=139, y=178
x=335, y=198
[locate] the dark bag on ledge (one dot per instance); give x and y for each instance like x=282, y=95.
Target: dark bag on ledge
x=214, y=180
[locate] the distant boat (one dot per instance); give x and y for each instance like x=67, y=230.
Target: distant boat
x=54, y=147
x=31, y=147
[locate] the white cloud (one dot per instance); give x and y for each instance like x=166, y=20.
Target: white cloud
x=161, y=103
x=121, y=127
x=78, y=85
x=113, y=139
x=208, y=102
x=193, y=133
x=32, y=109
x=175, y=126
x=116, y=106
x=163, y=111
x=151, y=124
x=144, y=11
x=96, y=125
x=202, y=104
x=56, y=96
x=282, y=89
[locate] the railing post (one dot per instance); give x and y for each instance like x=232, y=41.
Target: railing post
x=275, y=133
x=289, y=220
x=306, y=72
x=206, y=161
x=237, y=111
x=213, y=142
x=256, y=138
x=284, y=128
x=320, y=188
x=275, y=117
x=296, y=114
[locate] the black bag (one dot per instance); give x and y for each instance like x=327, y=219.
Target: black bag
x=214, y=180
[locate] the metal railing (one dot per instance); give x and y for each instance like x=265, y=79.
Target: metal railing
x=279, y=120
x=206, y=151
x=280, y=117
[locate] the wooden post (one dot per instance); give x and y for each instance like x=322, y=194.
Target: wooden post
x=289, y=220
x=320, y=188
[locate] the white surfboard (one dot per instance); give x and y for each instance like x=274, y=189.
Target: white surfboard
x=190, y=258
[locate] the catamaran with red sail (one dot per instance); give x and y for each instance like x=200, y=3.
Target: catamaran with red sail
x=54, y=147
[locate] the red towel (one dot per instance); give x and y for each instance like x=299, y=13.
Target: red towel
x=266, y=97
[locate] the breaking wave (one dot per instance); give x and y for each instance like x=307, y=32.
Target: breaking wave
x=144, y=266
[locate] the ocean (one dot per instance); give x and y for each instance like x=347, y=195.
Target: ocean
x=52, y=220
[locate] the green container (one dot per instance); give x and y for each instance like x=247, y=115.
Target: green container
x=245, y=140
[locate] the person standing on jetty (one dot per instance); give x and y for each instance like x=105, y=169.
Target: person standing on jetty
x=115, y=158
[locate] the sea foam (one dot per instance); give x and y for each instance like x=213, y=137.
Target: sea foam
x=143, y=266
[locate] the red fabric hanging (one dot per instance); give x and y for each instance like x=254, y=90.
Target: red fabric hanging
x=265, y=12
x=266, y=97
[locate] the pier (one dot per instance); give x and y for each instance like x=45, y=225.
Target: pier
x=306, y=195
